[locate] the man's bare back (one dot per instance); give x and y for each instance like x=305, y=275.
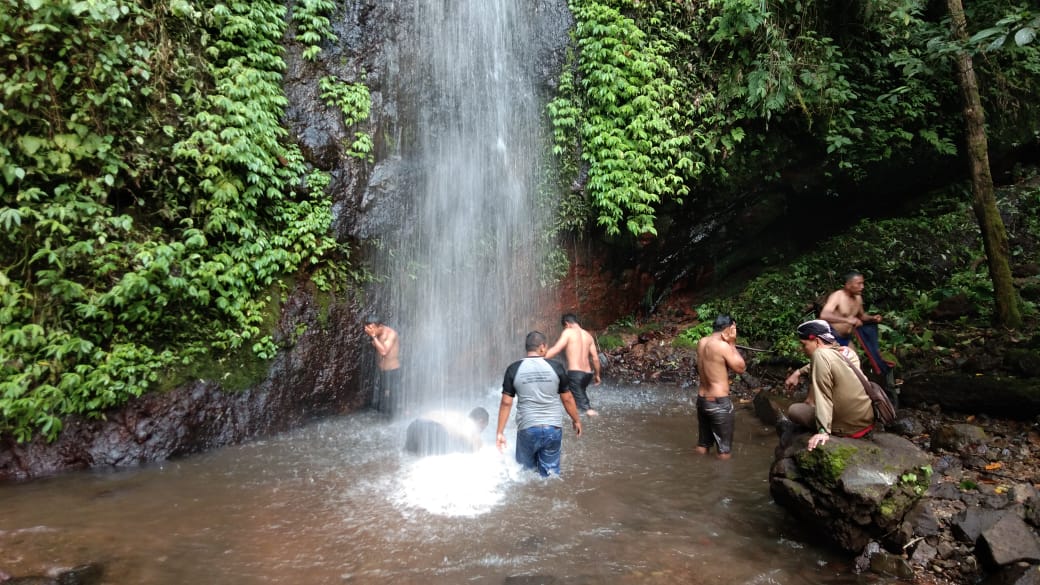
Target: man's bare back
x=579, y=350
x=582, y=357
x=716, y=355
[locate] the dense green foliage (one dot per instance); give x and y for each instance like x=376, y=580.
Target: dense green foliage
x=665, y=98
x=355, y=102
x=910, y=264
x=151, y=204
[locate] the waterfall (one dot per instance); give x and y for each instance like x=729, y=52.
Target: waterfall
x=463, y=267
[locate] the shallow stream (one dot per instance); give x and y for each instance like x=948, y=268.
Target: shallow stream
x=339, y=502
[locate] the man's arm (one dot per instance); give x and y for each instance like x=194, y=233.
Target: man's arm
x=734, y=360
x=383, y=346
x=504, y=408
x=572, y=411
x=866, y=318
x=796, y=377
x=594, y=358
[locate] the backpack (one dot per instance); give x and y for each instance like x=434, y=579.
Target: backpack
x=884, y=411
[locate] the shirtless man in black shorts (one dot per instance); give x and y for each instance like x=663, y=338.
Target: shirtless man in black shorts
x=579, y=348
x=716, y=355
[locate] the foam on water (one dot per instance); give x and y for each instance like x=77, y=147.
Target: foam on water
x=458, y=484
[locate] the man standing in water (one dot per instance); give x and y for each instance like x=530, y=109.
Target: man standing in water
x=385, y=341
x=582, y=357
x=540, y=387
x=844, y=309
x=716, y=355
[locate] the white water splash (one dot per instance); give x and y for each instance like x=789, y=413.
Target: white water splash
x=458, y=484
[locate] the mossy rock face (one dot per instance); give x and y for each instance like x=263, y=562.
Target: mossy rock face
x=826, y=465
x=852, y=490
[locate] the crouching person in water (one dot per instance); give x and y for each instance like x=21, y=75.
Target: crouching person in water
x=441, y=432
x=837, y=404
x=716, y=355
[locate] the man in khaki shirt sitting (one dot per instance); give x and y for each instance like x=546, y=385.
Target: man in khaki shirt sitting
x=837, y=403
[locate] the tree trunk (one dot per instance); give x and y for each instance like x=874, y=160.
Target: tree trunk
x=994, y=234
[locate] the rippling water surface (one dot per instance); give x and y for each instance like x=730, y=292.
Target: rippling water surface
x=339, y=502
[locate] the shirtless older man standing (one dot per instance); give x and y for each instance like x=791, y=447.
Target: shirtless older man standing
x=582, y=357
x=716, y=355
x=844, y=309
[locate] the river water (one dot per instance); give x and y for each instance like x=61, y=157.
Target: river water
x=339, y=502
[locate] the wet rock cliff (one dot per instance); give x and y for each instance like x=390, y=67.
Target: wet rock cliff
x=322, y=369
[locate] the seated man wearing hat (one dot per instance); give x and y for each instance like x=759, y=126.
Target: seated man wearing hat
x=837, y=404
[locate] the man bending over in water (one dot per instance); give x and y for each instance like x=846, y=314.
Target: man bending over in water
x=579, y=348
x=716, y=355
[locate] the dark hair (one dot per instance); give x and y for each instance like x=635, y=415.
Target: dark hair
x=373, y=319
x=722, y=322
x=480, y=416
x=535, y=339
x=852, y=274
x=569, y=318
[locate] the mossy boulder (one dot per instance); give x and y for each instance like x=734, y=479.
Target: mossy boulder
x=851, y=491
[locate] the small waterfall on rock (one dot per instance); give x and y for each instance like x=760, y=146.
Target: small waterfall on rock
x=463, y=267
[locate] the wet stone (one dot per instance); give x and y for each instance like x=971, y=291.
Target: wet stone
x=971, y=523
x=923, y=554
x=1010, y=540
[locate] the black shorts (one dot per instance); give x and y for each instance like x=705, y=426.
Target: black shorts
x=715, y=422
x=578, y=381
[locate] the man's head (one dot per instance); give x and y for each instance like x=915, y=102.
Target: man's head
x=535, y=342
x=373, y=325
x=722, y=323
x=480, y=417
x=854, y=283
x=814, y=334
x=569, y=319
x=726, y=327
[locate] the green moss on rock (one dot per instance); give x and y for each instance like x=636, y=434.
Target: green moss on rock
x=826, y=463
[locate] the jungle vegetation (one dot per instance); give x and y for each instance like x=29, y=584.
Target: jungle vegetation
x=154, y=209
x=912, y=265
x=663, y=98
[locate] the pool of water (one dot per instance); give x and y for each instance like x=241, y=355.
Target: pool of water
x=340, y=502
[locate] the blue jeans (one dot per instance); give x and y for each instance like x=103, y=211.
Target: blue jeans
x=539, y=448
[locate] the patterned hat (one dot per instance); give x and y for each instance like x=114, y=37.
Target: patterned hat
x=817, y=328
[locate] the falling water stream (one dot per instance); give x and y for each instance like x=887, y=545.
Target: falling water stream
x=340, y=502
x=462, y=267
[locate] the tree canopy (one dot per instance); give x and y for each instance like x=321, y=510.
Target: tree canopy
x=665, y=98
